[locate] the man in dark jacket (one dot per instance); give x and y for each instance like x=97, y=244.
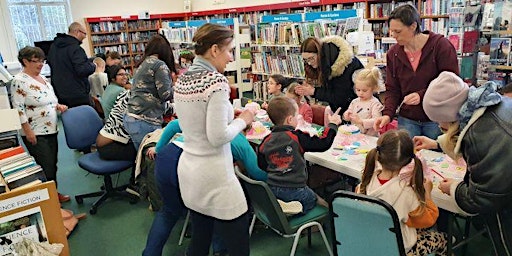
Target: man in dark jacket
x=70, y=67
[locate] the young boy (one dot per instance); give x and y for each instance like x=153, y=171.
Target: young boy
x=281, y=154
x=98, y=80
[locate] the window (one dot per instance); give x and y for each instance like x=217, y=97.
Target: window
x=38, y=20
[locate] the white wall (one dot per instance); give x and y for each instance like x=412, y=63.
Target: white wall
x=81, y=9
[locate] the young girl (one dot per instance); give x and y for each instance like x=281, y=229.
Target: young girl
x=304, y=109
x=275, y=87
x=411, y=199
x=365, y=108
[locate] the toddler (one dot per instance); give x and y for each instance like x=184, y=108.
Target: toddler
x=411, y=198
x=304, y=109
x=365, y=108
x=281, y=153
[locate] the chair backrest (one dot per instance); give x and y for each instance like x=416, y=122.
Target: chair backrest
x=364, y=225
x=318, y=114
x=81, y=126
x=265, y=204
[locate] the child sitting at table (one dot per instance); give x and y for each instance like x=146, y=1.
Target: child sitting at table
x=411, y=199
x=363, y=110
x=275, y=86
x=281, y=153
x=304, y=109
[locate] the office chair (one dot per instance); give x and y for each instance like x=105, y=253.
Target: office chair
x=81, y=127
x=267, y=210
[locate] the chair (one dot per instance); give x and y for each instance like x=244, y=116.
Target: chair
x=81, y=126
x=268, y=211
x=360, y=220
x=318, y=114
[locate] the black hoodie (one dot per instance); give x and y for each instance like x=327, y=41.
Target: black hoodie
x=70, y=68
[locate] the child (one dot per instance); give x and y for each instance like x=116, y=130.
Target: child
x=186, y=59
x=98, y=80
x=365, y=108
x=281, y=153
x=304, y=109
x=275, y=87
x=411, y=199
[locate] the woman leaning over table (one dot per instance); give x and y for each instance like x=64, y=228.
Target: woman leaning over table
x=478, y=126
x=33, y=96
x=208, y=184
x=416, y=59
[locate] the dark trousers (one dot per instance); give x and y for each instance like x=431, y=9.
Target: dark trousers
x=118, y=151
x=76, y=101
x=234, y=233
x=45, y=153
x=499, y=226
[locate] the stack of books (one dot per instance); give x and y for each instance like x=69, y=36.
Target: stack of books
x=19, y=169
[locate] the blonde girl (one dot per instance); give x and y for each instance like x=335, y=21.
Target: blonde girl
x=304, y=109
x=363, y=110
x=411, y=199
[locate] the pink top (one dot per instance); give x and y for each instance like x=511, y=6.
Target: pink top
x=366, y=110
x=306, y=112
x=414, y=59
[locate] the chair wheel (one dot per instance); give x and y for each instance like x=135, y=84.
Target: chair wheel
x=79, y=200
x=93, y=211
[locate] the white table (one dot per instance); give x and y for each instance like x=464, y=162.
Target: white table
x=339, y=160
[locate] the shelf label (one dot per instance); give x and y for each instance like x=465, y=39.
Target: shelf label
x=24, y=200
x=225, y=22
x=177, y=24
x=296, y=17
x=196, y=23
x=332, y=15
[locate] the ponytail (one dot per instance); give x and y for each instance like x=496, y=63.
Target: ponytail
x=416, y=183
x=369, y=168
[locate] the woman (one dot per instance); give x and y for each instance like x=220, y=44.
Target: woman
x=416, y=59
x=208, y=185
x=34, y=98
x=118, y=81
x=152, y=86
x=478, y=127
x=329, y=65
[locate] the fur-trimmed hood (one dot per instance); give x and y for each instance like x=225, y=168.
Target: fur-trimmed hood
x=337, y=54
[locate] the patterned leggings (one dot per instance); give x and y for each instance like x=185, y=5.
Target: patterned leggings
x=429, y=241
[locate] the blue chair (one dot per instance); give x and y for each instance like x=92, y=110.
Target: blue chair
x=81, y=127
x=267, y=210
x=364, y=226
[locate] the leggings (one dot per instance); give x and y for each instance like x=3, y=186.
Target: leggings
x=429, y=241
x=234, y=234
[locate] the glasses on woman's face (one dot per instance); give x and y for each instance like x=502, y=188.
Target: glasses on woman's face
x=122, y=74
x=311, y=59
x=37, y=61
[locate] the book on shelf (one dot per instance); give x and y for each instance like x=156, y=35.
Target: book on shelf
x=33, y=175
x=455, y=40
x=499, y=51
x=8, y=152
x=487, y=17
x=471, y=14
x=466, y=67
x=469, y=42
x=482, y=66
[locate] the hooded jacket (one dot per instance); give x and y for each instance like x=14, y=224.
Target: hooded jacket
x=437, y=55
x=338, y=65
x=70, y=68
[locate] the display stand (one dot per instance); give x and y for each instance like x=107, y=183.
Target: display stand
x=39, y=202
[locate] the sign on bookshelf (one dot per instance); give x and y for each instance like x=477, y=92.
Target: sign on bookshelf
x=295, y=17
x=333, y=15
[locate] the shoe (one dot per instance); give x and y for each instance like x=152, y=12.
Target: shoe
x=133, y=189
x=64, y=198
x=290, y=208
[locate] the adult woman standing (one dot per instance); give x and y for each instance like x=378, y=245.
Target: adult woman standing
x=477, y=127
x=416, y=59
x=208, y=185
x=329, y=65
x=34, y=98
x=152, y=86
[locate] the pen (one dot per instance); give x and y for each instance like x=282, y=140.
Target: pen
x=361, y=109
x=438, y=174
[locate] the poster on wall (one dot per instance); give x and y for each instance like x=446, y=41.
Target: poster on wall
x=25, y=224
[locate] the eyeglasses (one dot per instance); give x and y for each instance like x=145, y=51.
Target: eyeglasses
x=83, y=32
x=122, y=74
x=38, y=61
x=310, y=59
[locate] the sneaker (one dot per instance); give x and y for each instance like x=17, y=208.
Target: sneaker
x=133, y=189
x=292, y=207
x=64, y=198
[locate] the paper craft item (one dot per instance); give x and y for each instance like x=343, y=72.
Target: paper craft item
x=258, y=131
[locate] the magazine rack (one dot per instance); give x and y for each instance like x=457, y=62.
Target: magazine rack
x=32, y=212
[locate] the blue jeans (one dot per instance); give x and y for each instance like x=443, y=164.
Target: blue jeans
x=416, y=128
x=166, y=165
x=138, y=129
x=304, y=195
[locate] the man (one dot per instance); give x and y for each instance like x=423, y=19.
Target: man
x=70, y=67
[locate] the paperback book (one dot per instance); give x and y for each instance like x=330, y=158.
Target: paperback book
x=499, y=51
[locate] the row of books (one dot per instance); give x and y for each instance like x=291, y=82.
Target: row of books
x=465, y=42
x=290, y=65
x=108, y=26
x=18, y=169
x=179, y=34
x=143, y=24
x=434, y=7
x=381, y=10
x=121, y=49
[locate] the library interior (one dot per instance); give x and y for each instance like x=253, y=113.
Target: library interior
x=237, y=127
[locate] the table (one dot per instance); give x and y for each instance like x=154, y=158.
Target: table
x=348, y=153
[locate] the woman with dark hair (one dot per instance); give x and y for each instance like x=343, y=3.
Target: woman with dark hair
x=329, y=66
x=34, y=98
x=152, y=87
x=416, y=59
x=207, y=181
x=118, y=82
